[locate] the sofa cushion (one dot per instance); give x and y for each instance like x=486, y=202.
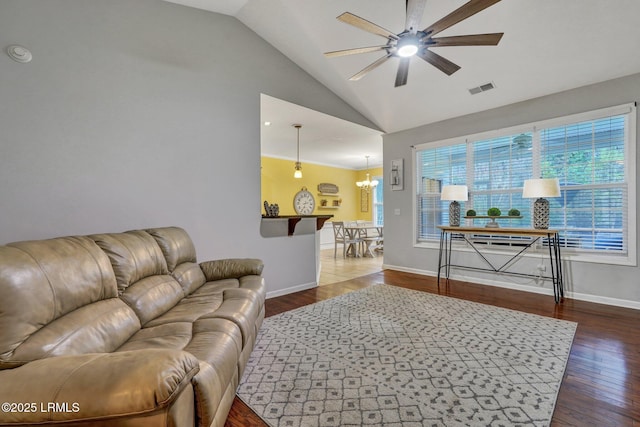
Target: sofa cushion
x=176, y=245
x=41, y=281
x=241, y=307
x=216, y=287
x=170, y=335
x=134, y=255
x=190, y=276
x=152, y=296
x=189, y=309
x=100, y=327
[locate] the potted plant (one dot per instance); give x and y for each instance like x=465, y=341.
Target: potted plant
x=494, y=212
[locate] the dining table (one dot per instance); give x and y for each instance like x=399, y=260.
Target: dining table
x=368, y=234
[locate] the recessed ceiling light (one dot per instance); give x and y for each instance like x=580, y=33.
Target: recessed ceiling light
x=267, y=123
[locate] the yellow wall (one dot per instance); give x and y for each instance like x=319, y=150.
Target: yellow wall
x=360, y=176
x=279, y=186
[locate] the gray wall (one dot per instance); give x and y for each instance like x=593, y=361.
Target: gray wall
x=144, y=113
x=612, y=284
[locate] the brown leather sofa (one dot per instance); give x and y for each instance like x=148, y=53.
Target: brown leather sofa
x=123, y=329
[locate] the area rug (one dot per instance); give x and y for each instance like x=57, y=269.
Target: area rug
x=388, y=356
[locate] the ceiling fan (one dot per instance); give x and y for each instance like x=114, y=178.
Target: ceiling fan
x=414, y=42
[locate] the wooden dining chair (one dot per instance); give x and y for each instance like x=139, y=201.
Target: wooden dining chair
x=372, y=240
x=340, y=236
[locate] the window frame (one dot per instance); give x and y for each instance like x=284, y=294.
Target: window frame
x=630, y=137
x=375, y=203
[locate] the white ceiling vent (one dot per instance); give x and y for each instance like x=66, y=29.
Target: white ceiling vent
x=482, y=88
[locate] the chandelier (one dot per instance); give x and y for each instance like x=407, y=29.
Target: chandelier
x=367, y=184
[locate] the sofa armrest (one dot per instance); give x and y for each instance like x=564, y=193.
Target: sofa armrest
x=232, y=268
x=94, y=386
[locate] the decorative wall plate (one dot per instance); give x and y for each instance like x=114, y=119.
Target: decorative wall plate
x=328, y=188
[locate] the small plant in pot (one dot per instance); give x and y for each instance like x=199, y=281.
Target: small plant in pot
x=471, y=212
x=514, y=212
x=494, y=212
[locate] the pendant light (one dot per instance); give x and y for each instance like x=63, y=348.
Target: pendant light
x=298, y=166
x=367, y=184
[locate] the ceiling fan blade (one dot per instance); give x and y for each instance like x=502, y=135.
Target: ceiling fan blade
x=370, y=67
x=415, y=10
x=468, y=40
x=344, y=52
x=463, y=12
x=403, y=72
x=441, y=63
x=363, y=24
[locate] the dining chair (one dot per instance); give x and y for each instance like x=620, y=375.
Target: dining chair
x=372, y=239
x=347, y=240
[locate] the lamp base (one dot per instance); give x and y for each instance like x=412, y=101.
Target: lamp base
x=454, y=214
x=541, y=214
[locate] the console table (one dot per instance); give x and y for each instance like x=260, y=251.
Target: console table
x=444, y=256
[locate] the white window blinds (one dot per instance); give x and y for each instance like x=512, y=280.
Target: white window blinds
x=592, y=155
x=589, y=160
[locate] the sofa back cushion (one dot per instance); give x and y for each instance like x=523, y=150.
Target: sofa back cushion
x=141, y=272
x=180, y=254
x=47, y=287
x=134, y=255
x=176, y=245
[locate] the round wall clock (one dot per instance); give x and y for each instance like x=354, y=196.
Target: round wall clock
x=303, y=202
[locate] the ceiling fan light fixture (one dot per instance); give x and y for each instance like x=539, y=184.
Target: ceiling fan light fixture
x=408, y=46
x=414, y=42
x=408, y=50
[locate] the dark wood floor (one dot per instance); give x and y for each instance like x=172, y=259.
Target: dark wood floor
x=601, y=385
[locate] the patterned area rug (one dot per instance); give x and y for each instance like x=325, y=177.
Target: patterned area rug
x=388, y=356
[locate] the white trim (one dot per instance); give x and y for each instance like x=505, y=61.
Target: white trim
x=632, y=220
x=545, y=291
x=297, y=288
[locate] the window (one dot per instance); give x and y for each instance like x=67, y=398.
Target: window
x=378, y=217
x=592, y=155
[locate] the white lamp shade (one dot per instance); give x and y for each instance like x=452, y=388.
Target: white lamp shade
x=543, y=187
x=455, y=192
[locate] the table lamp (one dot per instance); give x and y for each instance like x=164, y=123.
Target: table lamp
x=541, y=188
x=454, y=193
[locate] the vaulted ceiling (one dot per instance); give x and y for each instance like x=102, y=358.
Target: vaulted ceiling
x=548, y=46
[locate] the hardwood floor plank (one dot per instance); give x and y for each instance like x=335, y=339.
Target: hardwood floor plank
x=601, y=386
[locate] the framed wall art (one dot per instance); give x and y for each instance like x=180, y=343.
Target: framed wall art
x=364, y=200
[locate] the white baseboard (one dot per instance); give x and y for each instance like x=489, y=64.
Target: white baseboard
x=538, y=290
x=292, y=289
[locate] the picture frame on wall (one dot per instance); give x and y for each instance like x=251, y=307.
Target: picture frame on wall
x=364, y=200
